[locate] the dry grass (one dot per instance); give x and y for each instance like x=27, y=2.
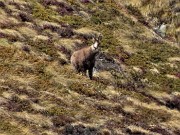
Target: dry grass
x=27, y=32
x=35, y=119
x=138, y=130
x=41, y=38
x=11, y=34
x=86, y=32
x=7, y=21
x=40, y=93
x=67, y=45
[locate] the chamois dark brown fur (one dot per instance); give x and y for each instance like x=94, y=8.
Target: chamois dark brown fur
x=84, y=59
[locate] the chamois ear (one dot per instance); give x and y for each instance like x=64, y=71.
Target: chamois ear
x=100, y=37
x=93, y=38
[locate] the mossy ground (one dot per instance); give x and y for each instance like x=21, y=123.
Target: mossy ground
x=41, y=94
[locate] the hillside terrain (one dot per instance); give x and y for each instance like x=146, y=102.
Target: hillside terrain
x=136, y=84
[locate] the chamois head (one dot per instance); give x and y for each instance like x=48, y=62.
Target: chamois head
x=96, y=42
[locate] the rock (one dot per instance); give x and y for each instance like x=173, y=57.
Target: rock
x=163, y=29
x=79, y=130
x=105, y=62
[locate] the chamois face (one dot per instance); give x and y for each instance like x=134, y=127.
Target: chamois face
x=96, y=44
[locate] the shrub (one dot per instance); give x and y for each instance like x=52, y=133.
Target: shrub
x=160, y=130
x=26, y=48
x=145, y=2
x=173, y=103
x=2, y=4
x=57, y=111
x=49, y=2
x=85, y=1
x=18, y=105
x=61, y=120
x=66, y=32
x=25, y=17
x=79, y=129
x=62, y=11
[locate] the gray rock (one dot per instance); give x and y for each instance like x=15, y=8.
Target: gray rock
x=105, y=62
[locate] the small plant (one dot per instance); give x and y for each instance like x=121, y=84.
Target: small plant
x=57, y=111
x=49, y=2
x=72, y=20
x=61, y=120
x=18, y=105
x=25, y=17
x=2, y=5
x=66, y=32
x=81, y=89
x=173, y=103
x=26, y=48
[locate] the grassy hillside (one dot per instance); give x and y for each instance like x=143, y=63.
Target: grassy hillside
x=154, y=13
x=136, y=89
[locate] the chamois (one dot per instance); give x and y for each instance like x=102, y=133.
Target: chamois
x=84, y=59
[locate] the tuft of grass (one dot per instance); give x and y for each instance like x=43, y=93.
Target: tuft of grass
x=61, y=120
x=7, y=128
x=136, y=12
x=43, y=13
x=59, y=111
x=27, y=32
x=173, y=103
x=11, y=34
x=137, y=130
x=151, y=53
x=81, y=89
x=73, y=20
x=163, y=83
x=44, y=46
x=4, y=42
x=18, y=105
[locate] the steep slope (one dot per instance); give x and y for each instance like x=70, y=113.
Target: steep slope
x=153, y=13
x=136, y=88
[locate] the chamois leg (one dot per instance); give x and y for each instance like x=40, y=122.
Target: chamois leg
x=90, y=73
x=84, y=72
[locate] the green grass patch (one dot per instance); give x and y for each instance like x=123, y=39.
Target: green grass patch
x=46, y=47
x=43, y=13
x=138, y=59
x=149, y=116
x=164, y=83
x=151, y=53
x=74, y=21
